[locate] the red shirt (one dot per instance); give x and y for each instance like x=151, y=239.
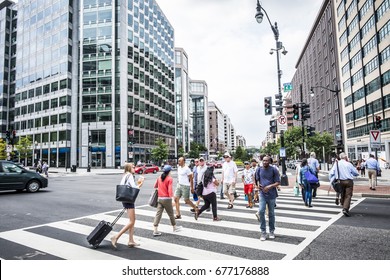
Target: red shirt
x=165, y=187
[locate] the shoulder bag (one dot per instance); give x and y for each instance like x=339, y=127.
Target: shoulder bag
x=153, y=200
x=310, y=177
x=336, y=185
x=126, y=193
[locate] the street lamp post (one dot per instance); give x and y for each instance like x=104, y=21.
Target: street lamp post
x=279, y=46
x=336, y=91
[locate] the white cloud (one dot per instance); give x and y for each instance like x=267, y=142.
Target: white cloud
x=230, y=51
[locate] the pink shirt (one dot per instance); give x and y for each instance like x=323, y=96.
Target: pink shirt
x=210, y=188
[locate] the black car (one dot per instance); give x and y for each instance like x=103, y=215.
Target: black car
x=15, y=177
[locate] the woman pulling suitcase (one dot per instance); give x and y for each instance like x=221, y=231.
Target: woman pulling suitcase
x=128, y=179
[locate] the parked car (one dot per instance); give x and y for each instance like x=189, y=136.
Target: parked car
x=15, y=177
x=146, y=168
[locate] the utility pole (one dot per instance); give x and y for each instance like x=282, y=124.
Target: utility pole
x=302, y=123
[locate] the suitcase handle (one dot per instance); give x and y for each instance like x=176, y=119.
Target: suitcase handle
x=118, y=217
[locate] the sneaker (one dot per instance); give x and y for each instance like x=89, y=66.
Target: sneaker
x=346, y=213
x=208, y=209
x=257, y=216
x=192, y=210
x=177, y=228
x=156, y=233
x=263, y=237
x=271, y=235
x=337, y=201
x=216, y=219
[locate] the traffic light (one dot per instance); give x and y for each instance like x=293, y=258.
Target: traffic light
x=89, y=149
x=267, y=106
x=89, y=139
x=339, y=143
x=305, y=111
x=378, y=122
x=14, y=134
x=272, y=126
x=310, y=131
x=7, y=134
x=296, y=112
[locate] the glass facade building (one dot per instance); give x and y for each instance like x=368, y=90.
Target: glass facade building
x=8, y=24
x=199, y=112
x=94, y=80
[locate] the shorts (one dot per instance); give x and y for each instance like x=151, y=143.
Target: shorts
x=248, y=188
x=128, y=205
x=229, y=188
x=182, y=191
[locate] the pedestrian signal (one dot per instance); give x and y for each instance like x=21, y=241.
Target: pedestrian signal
x=296, y=112
x=267, y=106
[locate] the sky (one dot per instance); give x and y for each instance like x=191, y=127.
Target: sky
x=228, y=49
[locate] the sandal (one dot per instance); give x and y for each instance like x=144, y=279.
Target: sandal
x=131, y=245
x=178, y=217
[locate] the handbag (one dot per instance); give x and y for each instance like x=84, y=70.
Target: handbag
x=310, y=177
x=336, y=184
x=126, y=193
x=379, y=173
x=153, y=199
x=296, y=189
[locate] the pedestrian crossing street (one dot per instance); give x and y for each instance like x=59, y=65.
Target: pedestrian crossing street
x=235, y=237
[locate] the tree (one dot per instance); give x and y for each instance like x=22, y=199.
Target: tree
x=196, y=149
x=239, y=153
x=3, y=149
x=271, y=149
x=180, y=152
x=160, y=153
x=293, y=142
x=320, y=142
x=24, y=148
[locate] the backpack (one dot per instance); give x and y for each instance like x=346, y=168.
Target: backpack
x=310, y=177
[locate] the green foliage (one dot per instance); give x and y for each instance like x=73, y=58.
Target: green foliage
x=3, y=149
x=196, y=149
x=293, y=141
x=180, y=152
x=239, y=153
x=160, y=152
x=271, y=149
x=24, y=147
x=318, y=141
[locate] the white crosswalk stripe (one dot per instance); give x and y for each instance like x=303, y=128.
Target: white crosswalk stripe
x=296, y=227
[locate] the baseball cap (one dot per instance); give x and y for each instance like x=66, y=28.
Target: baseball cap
x=227, y=155
x=247, y=162
x=167, y=168
x=201, y=159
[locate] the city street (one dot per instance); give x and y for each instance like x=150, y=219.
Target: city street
x=53, y=224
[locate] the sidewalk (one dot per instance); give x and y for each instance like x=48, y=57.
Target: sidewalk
x=361, y=185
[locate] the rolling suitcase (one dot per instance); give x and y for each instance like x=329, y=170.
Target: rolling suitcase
x=101, y=231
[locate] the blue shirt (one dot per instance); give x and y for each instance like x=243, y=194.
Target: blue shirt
x=195, y=171
x=314, y=164
x=372, y=163
x=268, y=176
x=346, y=171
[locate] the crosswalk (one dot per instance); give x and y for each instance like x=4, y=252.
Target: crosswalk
x=236, y=236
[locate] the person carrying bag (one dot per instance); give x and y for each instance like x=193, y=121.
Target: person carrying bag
x=165, y=194
x=128, y=192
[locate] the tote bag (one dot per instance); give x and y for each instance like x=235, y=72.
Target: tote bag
x=126, y=193
x=310, y=177
x=153, y=199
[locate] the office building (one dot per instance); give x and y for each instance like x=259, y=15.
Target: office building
x=199, y=112
x=362, y=36
x=217, y=129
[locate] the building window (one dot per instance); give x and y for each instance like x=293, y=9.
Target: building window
x=384, y=31
x=383, y=8
x=371, y=66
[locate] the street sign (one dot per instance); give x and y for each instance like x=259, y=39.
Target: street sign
x=287, y=87
x=282, y=152
x=375, y=139
x=282, y=123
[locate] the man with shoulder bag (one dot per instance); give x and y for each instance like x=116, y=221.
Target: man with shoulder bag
x=344, y=172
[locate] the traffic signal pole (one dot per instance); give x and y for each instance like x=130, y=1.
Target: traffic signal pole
x=303, y=124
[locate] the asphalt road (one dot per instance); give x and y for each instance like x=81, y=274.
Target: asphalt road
x=362, y=236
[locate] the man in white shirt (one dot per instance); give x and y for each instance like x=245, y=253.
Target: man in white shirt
x=229, y=177
x=200, y=170
x=184, y=186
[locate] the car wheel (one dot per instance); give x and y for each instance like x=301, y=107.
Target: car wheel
x=33, y=186
x=140, y=172
x=154, y=171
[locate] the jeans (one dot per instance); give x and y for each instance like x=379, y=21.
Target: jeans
x=271, y=214
x=308, y=193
